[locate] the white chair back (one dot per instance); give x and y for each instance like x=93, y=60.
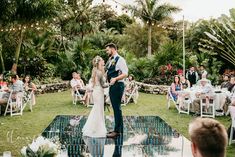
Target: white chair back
x=14, y=104
x=232, y=114
x=207, y=105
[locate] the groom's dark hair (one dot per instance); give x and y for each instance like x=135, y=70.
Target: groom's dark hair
x=111, y=45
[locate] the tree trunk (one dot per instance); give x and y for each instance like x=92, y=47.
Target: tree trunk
x=1, y=58
x=17, y=53
x=149, y=40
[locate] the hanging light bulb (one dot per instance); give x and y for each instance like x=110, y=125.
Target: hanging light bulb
x=1, y=30
x=147, y=22
x=32, y=25
x=152, y=24
x=46, y=22
x=76, y=11
x=37, y=24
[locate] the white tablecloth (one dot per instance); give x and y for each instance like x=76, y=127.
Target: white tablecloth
x=219, y=95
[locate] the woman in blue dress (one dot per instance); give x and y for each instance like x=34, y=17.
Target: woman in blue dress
x=175, y=86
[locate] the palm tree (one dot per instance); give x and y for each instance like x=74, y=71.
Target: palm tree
x=26, y=12
x=1, y=59
x=220, y=37
x=151, y=12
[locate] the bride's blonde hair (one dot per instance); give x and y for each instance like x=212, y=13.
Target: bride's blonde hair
x=96, y=67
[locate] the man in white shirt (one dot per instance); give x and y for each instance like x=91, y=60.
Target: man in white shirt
x=116, y=72
x=206, y=90
x=74, y=82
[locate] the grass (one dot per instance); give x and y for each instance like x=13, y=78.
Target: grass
x=24, y=128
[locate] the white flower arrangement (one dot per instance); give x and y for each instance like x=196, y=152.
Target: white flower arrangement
x=43, y=147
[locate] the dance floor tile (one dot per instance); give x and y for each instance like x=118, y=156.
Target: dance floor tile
x=143, y=136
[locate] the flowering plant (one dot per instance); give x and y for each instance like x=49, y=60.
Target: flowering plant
x=42, y=147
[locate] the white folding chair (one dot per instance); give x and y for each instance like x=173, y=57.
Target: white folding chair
x=170, y=98
x=186, y=103
x=210, y=106
x=27, y=99
x=232, y=114
x=76, y=96
x=131, y=96
x=14, y=104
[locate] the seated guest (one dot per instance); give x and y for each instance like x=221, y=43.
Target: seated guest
x=175, y=86
x=16, y=86
x=204, y=78
x=77, y=85
x=129, y=84
x=181, y=97
x=205, y=89
x=130, y=88
x=30, y=86
x=225, y=83
x=185, y=83
x=224, y=99
x=3, y=84
x=231, y=83
x=82, y=87
x=208, y=138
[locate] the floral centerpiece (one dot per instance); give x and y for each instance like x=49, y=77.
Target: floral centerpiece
x=43, y=147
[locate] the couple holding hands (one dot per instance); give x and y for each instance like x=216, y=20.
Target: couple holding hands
x=115, y=70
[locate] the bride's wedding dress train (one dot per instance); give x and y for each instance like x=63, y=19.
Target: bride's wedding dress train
x=95, y=124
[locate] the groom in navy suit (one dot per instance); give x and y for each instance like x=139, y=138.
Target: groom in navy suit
x=116, y=71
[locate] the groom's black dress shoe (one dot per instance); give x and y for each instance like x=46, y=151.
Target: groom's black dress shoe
x=113, y=134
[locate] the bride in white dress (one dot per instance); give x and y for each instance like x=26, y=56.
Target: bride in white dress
x=95, y=124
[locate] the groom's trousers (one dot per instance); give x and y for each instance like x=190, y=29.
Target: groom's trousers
x=115, y=94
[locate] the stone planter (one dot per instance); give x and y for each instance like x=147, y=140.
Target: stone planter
x=152, y=89
x=52, y=88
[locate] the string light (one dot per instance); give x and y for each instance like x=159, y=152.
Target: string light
x=124, y=7
x=36, y=25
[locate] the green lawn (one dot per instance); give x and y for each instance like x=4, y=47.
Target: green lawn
x=25, y=128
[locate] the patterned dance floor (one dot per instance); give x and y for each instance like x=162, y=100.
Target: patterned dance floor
x=143, y=136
